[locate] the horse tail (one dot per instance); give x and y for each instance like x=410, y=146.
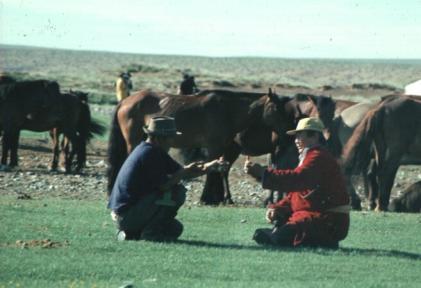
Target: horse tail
x=358, y=150
x=83, y=132
x=117, y=151
x=87, y=128
x=95, y=128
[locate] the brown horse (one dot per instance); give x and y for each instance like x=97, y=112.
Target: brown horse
x=392, y=131
x=86, y=128
x=210, y=119
x=36, y=106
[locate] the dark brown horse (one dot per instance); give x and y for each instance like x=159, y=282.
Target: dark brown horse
x=36, y=106
x=210, y=120
x=86, y=128
x=392, y=131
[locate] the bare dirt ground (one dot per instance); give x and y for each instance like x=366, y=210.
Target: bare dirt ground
x=33, y=180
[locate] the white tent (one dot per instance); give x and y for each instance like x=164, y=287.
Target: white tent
x=413, y=88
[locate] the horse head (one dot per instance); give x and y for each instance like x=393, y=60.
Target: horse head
x=276, y=114
x=325, y=109
x=322, y=107
x=82, y=96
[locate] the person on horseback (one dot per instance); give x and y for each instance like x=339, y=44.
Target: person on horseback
x=188, y=85
x=123, y=86
x=147, y=194
x=315, y=212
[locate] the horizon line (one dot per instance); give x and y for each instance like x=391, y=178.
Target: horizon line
x=205, y=56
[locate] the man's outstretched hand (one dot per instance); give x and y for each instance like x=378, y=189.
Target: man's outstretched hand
x=254, y=169
x=217, y=165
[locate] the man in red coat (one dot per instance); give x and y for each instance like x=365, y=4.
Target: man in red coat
x=315, y=212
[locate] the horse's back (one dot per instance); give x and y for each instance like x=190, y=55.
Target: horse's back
x=353, y=115
x=341, y=105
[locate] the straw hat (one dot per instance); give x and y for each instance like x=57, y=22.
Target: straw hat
x=308, y=124
x=161, y=126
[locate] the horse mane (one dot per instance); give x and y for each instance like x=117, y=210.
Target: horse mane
x=390, y=97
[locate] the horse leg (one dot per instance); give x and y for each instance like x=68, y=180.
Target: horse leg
x=72, y=139
x=230, y=155
x=355, y=199
x=54, y=136
x=371, y=184
x=5, y=148
x=66, y=153
x=213, y=192
x=81, y=154
x=386, y=176
x=270, y=199
x=78, y=149
x=14, y=143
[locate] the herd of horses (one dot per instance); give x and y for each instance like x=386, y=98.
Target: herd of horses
x=369, y=139
x=39, y=106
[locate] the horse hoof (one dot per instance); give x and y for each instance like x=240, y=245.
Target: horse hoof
x=229, y=201
x=5, y=168
x=380, y=209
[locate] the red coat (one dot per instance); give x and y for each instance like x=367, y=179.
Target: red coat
x=314, y=187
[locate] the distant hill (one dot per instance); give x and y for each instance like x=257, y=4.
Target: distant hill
x=95, y=72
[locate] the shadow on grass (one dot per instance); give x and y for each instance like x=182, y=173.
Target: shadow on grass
x=379, y=252
x=318, y=250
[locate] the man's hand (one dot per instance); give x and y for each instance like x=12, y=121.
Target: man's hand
x=194, y=167
x=253, y=169
x=217, y=165
x=270, y=215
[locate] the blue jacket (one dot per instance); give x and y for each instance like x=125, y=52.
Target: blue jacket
x=146, y=168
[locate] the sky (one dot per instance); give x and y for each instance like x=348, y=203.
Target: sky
x=388, y=29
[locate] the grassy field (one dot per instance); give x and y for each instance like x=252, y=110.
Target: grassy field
x=95, y=72
x=216, y=250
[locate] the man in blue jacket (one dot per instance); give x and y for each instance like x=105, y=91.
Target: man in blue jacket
x=147, y=195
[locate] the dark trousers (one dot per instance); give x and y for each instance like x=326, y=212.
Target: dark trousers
x=278, y=236
x=285, y=236
x=150, y=221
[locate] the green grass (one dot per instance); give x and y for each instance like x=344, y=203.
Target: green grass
x=215, y=250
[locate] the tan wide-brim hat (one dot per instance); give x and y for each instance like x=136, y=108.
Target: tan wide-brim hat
x=161, y=126
x=308, y=124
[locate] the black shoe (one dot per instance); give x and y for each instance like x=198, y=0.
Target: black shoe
x=167, y=232
x=263, y=236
